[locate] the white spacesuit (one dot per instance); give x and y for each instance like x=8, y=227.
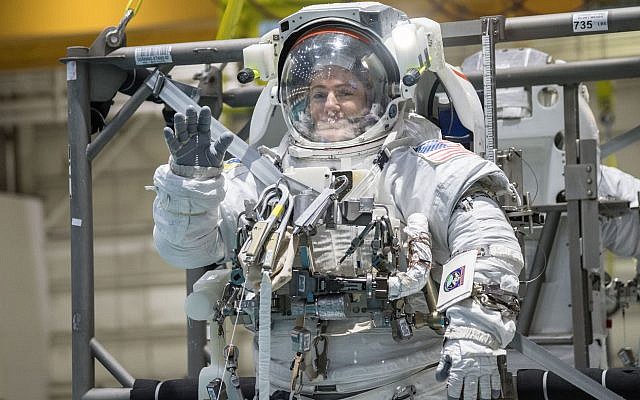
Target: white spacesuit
x=339, y=71
x=532, y=119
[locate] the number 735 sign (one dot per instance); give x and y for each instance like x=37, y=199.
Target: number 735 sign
x=590, y=21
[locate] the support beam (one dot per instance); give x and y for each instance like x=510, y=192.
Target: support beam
x=566, y=73
x=81, y=209
x=580, y=288
x=539, y=27
x=620, y=142
x=196, y=332
x=538, y=267
x=543, y=357
x=111, y=364
x=206, y=52
x=108, y=394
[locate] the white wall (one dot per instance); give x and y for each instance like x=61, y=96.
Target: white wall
x=24, y=306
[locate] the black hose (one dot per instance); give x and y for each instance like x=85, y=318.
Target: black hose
x=535, y=384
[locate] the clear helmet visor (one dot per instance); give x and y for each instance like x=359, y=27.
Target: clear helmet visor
x=333, y=86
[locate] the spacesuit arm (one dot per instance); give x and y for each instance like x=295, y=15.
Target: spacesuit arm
x=412, y=281
x=482, y=225
x=477, y=331
x=186, y=216
x=620, y=234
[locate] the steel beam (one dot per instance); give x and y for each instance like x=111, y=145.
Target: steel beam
x=580, y=288
x=244, y=96
x=561, y=25
x=111, y=364
x=190, y=53
x=546, y=26
x=108, y=394
x=549, y=361
x=118, y=121
x=196, y=332
x=620, y=142
x=538, y=267
x=565, y=73
x=81, y=210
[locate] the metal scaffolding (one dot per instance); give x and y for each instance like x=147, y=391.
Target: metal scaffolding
x=81, y=83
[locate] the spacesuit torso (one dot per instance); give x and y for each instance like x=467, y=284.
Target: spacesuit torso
x=425, y=175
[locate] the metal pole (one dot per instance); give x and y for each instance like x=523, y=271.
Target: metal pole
x=562, y=24
x=245, y=96
x=196, y=332
x=462, y=33
x=118, y=120
x=108, y=394
x=620, y=142
x=81, y=210
x=540, y=260
x=543, y=357
x=566, y=73
x=580, y=289
x=207, y=52
x=111, y=364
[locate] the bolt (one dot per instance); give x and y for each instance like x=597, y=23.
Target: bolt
x=588, y=168
x=589, y=192
x=589, y=181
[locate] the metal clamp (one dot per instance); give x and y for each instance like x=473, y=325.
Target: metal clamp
x=581, y=182
x=494, y=298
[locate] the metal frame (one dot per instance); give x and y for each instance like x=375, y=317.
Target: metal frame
x=86, y=348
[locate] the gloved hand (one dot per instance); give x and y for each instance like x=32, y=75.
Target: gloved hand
x=471, y=366
x=190, y=144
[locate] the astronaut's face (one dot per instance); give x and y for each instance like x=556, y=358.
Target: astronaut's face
x=333, y=88
x=337, y=101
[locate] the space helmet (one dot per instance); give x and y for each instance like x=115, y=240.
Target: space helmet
x=338, y=80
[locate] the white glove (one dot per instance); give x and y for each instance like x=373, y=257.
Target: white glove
x=471, y=366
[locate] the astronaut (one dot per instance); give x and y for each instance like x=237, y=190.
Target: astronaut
x=530, y=119
x=346, y=261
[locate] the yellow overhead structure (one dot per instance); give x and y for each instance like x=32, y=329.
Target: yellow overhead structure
x=36, y=33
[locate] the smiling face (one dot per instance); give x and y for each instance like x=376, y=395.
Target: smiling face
x=333, y=88
x=337, y=101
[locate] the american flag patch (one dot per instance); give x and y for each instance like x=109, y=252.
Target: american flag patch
x=231, y=164
x=439, y=151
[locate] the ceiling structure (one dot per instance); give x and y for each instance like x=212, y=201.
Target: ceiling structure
x=36, y=33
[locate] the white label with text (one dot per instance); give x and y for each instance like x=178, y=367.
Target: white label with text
x=590, y=21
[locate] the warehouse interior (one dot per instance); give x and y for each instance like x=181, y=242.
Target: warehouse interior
x=139, y=298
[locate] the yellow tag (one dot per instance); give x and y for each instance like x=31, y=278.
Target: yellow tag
x=277, y=210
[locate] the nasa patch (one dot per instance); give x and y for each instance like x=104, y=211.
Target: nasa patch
x=438, y=151
x=454, y=279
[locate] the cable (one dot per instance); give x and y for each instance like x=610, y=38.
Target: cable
x=544, y=268
x=535, y=177
x=430, y=99
x=451, y=112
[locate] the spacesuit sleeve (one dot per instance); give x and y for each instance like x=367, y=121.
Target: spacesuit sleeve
x=621, y=234
x=482, y=224
x=186, y=216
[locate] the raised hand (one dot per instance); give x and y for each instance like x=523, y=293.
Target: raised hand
x=190, y=140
